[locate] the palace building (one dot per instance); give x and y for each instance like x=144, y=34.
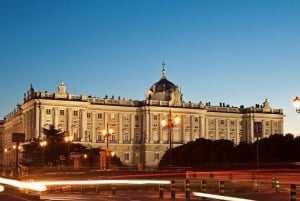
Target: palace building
x=138, y=135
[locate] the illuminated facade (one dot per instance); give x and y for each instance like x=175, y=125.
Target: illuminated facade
x=138, y=136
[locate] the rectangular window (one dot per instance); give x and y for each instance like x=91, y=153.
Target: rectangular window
x=155, y=117
x=112, y=116
x=126, y=156
x=113, y=138
x=99, y=115
x=61, y=112
x=75, y=113
x=88, y=115
x=156, y=156
x=126, y=117
x=196, y=119
x=48, y=111
x=126, y=137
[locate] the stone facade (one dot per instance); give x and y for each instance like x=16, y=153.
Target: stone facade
x=138, y=136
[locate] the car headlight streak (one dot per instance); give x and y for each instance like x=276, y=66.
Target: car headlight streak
x=23, y=185
x=41, y=185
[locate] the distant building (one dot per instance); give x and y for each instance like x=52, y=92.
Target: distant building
x=138, y=136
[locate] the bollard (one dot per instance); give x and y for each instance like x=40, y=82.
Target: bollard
x=273, y=182
x=161, y=191
x=293, y=192
x=277, y=185
x=203, y=186
x=187, y=189
x=97, y=189
x=173, y=189
x=113, y=189
x=221, y=187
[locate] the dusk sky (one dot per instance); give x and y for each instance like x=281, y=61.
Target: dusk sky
x=235, y=51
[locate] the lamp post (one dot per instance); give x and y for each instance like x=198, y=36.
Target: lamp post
x=169, y=123
x=68, y=140
x=17, y=147
x=5, y=163
x=297, y=104
x=106, y=133
x=43, y=145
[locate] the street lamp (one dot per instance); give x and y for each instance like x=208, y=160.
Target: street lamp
x=297, y=104
x=17, y=148
x=43, y=145
x=106, y=133
x=68, y=140
x=5, y=157
x=169, y=123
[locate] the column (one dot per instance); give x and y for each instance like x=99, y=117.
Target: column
x=38, y=125
x=120, y=126
x=93, y=128
x=132, y=126
x=82, y=125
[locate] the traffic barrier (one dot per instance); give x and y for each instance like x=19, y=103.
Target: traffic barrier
x=161, y=191
x=187, y=189
x=293, y=192
x=203, y=186
x=173, y=189
x=221, y=187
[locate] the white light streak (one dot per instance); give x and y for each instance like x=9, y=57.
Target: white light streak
x=23, y=185
x=41, y=185
x=220, y=197
x=91, y=182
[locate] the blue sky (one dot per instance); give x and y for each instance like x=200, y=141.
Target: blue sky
x=235, y=51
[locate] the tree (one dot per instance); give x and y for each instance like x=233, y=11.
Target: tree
x=32, y=152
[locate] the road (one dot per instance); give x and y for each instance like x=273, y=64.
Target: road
x=237, y=184
x=140, y=196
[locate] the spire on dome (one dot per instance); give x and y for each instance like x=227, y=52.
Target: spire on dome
x=163, y=75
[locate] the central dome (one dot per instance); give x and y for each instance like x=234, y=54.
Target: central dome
x=163, y=90
x=163, y=85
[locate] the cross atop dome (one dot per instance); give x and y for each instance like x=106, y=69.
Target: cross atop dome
x=163, y=75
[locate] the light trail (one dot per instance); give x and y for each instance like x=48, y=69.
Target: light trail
x=91, y=182
x=23, y=185
x=41, y=185
x=220, y=197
